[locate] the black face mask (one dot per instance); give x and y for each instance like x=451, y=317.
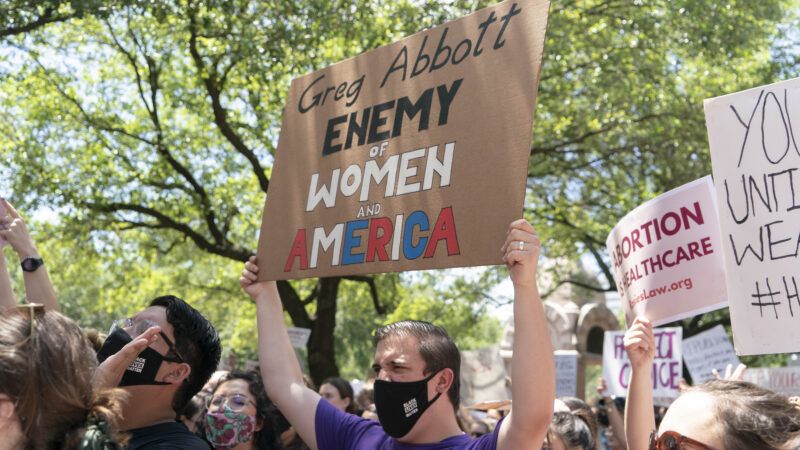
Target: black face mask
x=400, y=404
x=142, y=370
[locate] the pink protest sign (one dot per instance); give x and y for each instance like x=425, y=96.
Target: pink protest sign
x=667, y=364
x=667, y=256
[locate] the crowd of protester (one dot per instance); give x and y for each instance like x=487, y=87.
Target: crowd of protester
x=152, y=383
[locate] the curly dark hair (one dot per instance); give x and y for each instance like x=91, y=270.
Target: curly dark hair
x=267, y=438
x=572, y=430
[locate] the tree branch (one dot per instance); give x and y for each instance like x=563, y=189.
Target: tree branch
x=46, y=18
x=294, y=306
x=164, y=221
x=372, y=289
x=589, y=242
x=579, y=284
x=214, y=89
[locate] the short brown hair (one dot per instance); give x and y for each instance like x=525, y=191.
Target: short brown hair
x=753, y=417
x=46, y=367
x=435, y=346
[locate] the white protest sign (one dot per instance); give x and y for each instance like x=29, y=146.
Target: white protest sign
x=667, y=256
x=667, y=364
x=299, y=336
x=566, y=373
x=707, y=351
x=783, y=380
x=755, y=155
x=483, y=376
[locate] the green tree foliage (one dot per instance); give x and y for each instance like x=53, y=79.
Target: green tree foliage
x=150, y=129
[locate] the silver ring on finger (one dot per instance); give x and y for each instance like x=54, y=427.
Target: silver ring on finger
x=521, y=245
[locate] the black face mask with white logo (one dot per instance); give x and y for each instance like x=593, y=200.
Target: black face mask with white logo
x=400, y=404
x=143, y=369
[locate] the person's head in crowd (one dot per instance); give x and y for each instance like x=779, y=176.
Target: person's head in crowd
x=414, y=359
x=568, y=431
x=193, y=414
x=339, y=393
x=46, y=396
x=365, y=400
x=731, y=415
x=240, y=415
x=212, y=382
x=95, y=338
x=289, y=438
x=583, y=411
x=173, y=368
x=478, y=428
x=618, y=403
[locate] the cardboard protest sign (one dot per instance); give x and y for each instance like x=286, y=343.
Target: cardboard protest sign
x=483, y=376
x=707, y=351
x=755, y=155
x=566, y=373
x=667, y=256
x=410, y=156
x=667, y=364
x=299, y=336
x=783, y=380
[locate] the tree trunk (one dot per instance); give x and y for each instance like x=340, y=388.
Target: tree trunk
x=321, y=349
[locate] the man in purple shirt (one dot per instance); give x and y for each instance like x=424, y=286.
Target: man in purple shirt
x=417, y=367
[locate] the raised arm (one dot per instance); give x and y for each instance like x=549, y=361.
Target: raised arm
x=280, y=369
x=615, y=419
x=7, y=299
x=38, y=288
x=533, y=371
x=640, y=420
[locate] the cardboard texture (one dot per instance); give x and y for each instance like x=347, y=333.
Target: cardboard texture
x=755, y=155
x=410, y=156
x=667, y=364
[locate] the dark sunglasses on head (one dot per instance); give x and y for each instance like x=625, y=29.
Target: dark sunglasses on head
x=671, y=440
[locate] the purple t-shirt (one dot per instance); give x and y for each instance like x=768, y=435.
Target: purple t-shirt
x=337, y=430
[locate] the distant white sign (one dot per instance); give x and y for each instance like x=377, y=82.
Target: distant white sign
x=707, y=351
x=783, y=380
x=299, y=336
x=566, y=373
x=667, y=365
x=483, y=376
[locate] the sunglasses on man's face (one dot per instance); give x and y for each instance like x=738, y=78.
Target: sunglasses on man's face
x=671, y=440
x=135, y=327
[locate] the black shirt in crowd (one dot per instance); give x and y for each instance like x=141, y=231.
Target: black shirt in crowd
x=165, y=436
